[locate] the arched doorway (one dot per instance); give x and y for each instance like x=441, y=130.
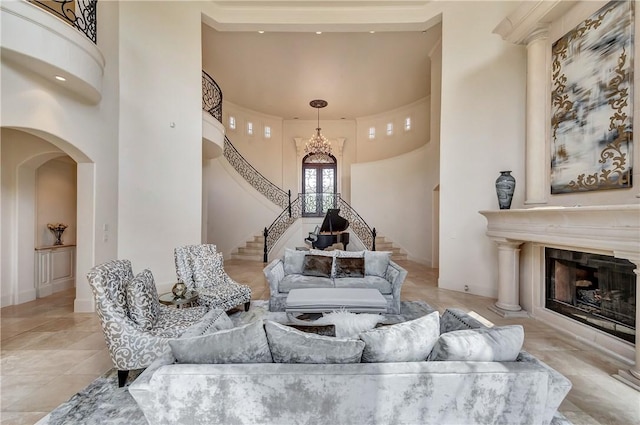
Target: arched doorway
x=19, y=209
x=319, y=184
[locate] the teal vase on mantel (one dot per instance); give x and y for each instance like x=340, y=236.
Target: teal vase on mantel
x=505, y=186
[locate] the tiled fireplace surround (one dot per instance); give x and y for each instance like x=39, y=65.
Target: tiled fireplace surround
x=521, y=236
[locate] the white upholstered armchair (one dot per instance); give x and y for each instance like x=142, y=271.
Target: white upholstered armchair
x=201, y=268
x=136, y=326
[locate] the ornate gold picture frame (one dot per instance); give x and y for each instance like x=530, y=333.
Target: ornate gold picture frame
x=592, y=102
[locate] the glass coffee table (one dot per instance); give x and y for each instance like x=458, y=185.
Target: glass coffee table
x=187, y=300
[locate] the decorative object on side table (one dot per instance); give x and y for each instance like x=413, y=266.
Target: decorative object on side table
x=57, y=229
x=179, y=290
x=505, y=186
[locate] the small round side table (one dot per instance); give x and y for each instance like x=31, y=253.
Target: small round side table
x=187, y=301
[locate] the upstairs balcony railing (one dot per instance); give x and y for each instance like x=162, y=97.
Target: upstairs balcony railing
x=80, y=14
x=211, y=97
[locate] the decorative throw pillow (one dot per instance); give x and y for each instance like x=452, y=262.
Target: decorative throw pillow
x=410, y=341
x=349, y=267
x=289, y=345
x=244, y=344
x=208, y=269
x=293, y=261
x=142, y=300
x=317, y=265
x=497, y=344
x=376, y=263
x=213, y=321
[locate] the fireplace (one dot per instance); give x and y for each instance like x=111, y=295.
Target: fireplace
x=597, y=290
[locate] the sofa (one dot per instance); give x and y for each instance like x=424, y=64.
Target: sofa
x=294, y=386
x=334, y=269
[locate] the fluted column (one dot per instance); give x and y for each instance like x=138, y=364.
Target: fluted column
x=537, y=119
x=631, y=376
x=508, y=304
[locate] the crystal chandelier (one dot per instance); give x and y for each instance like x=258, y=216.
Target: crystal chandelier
x=318, y=145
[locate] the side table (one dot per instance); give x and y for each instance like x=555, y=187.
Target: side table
x=187, y=301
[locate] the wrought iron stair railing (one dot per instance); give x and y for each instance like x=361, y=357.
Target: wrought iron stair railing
x=254, y=178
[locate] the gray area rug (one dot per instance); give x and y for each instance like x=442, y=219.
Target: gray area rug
x=103, y=403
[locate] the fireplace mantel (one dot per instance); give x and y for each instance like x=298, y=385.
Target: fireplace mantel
x=609, y=230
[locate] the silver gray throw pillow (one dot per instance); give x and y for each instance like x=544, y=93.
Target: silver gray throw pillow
x=244, y=344
x=376, y=263
x=410, y=341
x=289, y=345
x=497, y=344
x=293, y=261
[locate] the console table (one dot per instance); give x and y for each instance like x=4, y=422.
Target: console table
x=54, y=269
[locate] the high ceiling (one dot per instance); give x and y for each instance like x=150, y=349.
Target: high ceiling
x=357, y=73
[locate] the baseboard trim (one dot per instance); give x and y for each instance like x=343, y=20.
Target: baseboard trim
x=83, y=305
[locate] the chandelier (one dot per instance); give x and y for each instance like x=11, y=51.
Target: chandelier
x=318, y=145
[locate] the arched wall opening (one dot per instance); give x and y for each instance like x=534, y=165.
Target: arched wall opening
x=19, y=212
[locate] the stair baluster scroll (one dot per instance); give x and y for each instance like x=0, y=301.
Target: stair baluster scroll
x=254, y=178
x=280, y=225
x=211, y=97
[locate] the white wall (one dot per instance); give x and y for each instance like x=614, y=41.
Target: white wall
x=401, y=141
x=160, y=134
x=394, y=196
x=264, y=154
x=236, y=211
x=482, y=132
x=56, y=200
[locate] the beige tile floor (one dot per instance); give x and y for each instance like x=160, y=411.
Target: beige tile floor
x=48, y=353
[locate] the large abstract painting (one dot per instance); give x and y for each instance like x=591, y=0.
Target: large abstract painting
x=592, y=103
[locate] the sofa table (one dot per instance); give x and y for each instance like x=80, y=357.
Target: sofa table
x=319, y=300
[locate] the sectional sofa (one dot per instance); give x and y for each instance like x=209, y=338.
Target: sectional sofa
x=189, y=385
x=342, y=269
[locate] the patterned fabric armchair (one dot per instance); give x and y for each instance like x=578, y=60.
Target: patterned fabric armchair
x=201, y=268
x=136, y=326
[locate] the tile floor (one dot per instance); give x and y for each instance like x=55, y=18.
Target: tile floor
x=48, y=353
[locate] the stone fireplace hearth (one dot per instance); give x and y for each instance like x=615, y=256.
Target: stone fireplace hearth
x=522, y=235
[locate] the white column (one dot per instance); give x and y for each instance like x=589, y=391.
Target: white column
x=631, y=376
x=537, y=120
x=508, y=304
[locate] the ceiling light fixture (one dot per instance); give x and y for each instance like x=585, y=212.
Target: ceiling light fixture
x=318, y=145
x=60, y=78
x=260, y=32
x=318, y=32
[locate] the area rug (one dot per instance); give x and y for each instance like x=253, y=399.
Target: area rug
x=103, y=403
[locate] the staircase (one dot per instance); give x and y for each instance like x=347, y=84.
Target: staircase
x=382, y=244
x=252, y=250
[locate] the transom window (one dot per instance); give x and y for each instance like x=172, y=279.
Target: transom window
x=250, y=128
x=319, y=184
x=389, y=129
x=372, y=133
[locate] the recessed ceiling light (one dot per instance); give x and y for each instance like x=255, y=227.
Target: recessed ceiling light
x=318, y=32
x=261, y=32
x=60, y=78
x=372, y=32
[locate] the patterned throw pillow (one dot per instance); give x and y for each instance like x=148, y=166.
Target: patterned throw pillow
x=410, y=341
x=208, y=270
x=142, y=300
x=317, y=265
x=497, y=344
x=289, y=345
x=244, y=344
x=349, y=267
